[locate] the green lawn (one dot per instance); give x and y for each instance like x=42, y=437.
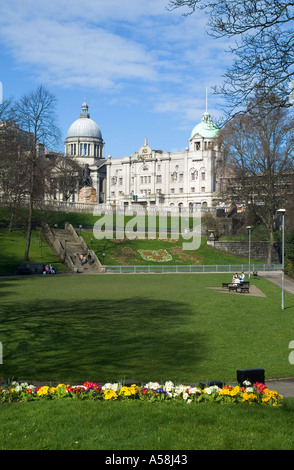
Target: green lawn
x=141, y=327
x=87, y=425
x=13, y=248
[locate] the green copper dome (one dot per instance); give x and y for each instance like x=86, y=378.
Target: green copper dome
x=206, y=128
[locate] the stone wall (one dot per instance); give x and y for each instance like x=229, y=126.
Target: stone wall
x=258, y=250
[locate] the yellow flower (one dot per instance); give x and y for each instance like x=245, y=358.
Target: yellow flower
x=109, y=394
x=43, y=390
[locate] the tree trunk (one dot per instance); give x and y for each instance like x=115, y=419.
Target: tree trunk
x=270, y=246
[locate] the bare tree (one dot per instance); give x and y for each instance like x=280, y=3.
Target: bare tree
x=35, y=114
x=13, y=167
x=259, y=148
x=66, y=176
x=263, y=47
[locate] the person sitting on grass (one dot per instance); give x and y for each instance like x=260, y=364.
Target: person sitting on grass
x=52, y=270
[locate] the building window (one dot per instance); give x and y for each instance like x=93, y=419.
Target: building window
x=174, y=176
x=203, y=189
x=193, y=189
x=120, y=181
x=181, y=177
x=203, y=176
x=181, y=190
x=172, y=190
x=194, y=175
x=158, y=179
x=197, y=145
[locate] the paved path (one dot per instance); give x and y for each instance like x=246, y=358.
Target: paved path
x=284, y=387
x=276, y=278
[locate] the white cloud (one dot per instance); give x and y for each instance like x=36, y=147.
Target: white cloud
x=115, y=45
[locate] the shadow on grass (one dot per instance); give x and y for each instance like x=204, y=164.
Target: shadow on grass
x=101, y=340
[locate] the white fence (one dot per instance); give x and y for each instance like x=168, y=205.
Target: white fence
x=230, y=268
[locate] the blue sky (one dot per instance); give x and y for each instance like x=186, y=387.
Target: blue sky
x=142, y=69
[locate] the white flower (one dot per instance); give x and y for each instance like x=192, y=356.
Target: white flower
x=152, y=385
x=110, y=386
x=168, y=386
x=194, y=390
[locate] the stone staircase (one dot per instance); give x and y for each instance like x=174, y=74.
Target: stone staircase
x=68, y=247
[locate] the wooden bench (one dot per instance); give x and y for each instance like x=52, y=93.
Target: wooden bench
x=241, y=287
x=244, y=289
x=226, y=284
x=233, y=287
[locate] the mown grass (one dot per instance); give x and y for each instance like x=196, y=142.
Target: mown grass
x=142, y=327
x=80, y=425
x=13, y=249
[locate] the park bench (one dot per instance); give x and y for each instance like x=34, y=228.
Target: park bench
x=226, y=285
x=233, y=287
x=244, y=288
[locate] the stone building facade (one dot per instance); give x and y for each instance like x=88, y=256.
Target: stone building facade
x=148, y=177
x=84, y=143
x=154, y=177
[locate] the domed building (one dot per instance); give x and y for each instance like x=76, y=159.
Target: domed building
x=84, y=144
x=178, y=180
x=84, y=138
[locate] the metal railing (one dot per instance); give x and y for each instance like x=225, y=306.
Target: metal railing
x=136, y=269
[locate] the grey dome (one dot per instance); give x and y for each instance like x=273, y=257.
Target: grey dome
x=84, y=126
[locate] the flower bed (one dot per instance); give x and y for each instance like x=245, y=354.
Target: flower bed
x=152, y=392
x=155, y=255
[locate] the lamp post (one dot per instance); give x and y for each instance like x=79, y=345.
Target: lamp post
x=282, y=212
x=249, y=248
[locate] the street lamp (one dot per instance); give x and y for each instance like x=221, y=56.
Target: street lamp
x=249, y=249
x=282, y=212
